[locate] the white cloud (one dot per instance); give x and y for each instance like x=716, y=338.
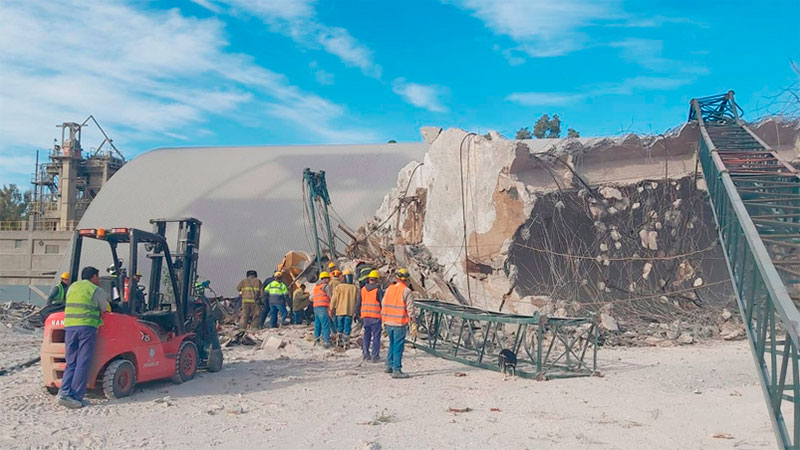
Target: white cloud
x=544, y=98
x=626, y=87
x=541, y=27
x=297, y=19
x=142, y=74
x=420, y=95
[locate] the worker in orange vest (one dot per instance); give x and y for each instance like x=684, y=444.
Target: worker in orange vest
x=369, y=309
x=321, y=300
x=396, y=314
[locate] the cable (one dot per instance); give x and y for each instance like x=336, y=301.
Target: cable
x=464, y=212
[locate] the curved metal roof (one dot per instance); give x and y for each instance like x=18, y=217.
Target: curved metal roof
x=249, y=198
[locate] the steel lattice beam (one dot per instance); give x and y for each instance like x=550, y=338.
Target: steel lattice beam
x=545, y=347
x=755, y=195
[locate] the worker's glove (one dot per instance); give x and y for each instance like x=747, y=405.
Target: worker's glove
x=414, y=331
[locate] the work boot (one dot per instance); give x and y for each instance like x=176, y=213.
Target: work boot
x=70, y=402
x=388, y=370
x=400, y=374
x=375, y=359
x=327, y=345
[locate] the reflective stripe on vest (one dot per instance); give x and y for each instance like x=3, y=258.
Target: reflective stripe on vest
x=363, y=274
x=370, y=306
x=253, y=293
x=319, y=297
x=393, y=308
x=276, y=288
x=80, y=310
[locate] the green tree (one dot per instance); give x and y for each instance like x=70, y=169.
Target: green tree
x=540, y=127
x=571, y=133
x=554, y=127
x=546, y=127
x=13, y=204
x=524, y=133
x=392, y=141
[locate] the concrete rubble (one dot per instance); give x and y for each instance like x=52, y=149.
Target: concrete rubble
x=563, y=227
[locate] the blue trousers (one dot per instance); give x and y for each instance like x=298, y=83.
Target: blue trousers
x=397, y=340
x=322, y=324
x=372, y=335
x=298, y=317
x=344, y=324
x=273, y=315
x=79, y=343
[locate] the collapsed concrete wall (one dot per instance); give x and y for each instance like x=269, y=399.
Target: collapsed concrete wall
x=564, y=224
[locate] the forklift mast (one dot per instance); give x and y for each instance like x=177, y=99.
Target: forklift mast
x=185, y=256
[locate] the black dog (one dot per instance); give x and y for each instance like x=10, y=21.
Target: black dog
x=507, y=362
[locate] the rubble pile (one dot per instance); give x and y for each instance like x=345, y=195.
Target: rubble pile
x=18, y=315
x=616, y=228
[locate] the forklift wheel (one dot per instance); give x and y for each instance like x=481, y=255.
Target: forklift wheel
x=186, y=362
x=119, y=379
x=214, y=360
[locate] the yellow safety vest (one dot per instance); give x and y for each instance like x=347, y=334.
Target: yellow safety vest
x=80, y=310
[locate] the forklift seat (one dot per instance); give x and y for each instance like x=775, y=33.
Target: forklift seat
x=164, y=319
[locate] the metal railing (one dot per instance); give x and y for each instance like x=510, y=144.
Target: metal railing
x=755, y=197
x=24, y=225
x=545, y=347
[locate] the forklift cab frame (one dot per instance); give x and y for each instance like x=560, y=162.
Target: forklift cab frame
x=181, y=268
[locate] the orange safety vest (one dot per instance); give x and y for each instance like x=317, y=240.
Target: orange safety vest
x=393, y=310
x=370, y=306
x=319, y=297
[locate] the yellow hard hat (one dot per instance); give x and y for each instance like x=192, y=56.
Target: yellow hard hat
x=331, y=265
x=347, y=272
x=278, y=274
x=324, y=275
x=65, y=276
x=374, y=274
x=402, y=273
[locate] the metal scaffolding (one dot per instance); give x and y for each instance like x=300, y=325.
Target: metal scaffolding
x=546, y=347
x=755, y=196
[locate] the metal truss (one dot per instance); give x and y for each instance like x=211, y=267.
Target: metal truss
x=545, y=347
x=755, y=197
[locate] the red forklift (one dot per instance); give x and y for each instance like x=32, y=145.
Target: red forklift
x=167, y=333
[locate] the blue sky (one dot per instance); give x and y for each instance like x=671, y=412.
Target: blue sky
x=242, y=72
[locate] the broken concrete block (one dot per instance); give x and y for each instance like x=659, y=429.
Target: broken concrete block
x=685, y=339
x=429, y=134
x=609, y=192
x=649, y=239
x=608, y=323
x=272, y=344
x=646, y=270
x=730, y=331
x=726, y=314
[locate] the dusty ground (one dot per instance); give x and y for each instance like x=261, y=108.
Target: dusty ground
x=307, y=397
x=18, y=345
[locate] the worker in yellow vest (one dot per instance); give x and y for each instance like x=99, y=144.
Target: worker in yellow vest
x=277, y=294
x=396, y=314
x=83, y=308
x=321, y=299
x=250, y=311
x=59, y=292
